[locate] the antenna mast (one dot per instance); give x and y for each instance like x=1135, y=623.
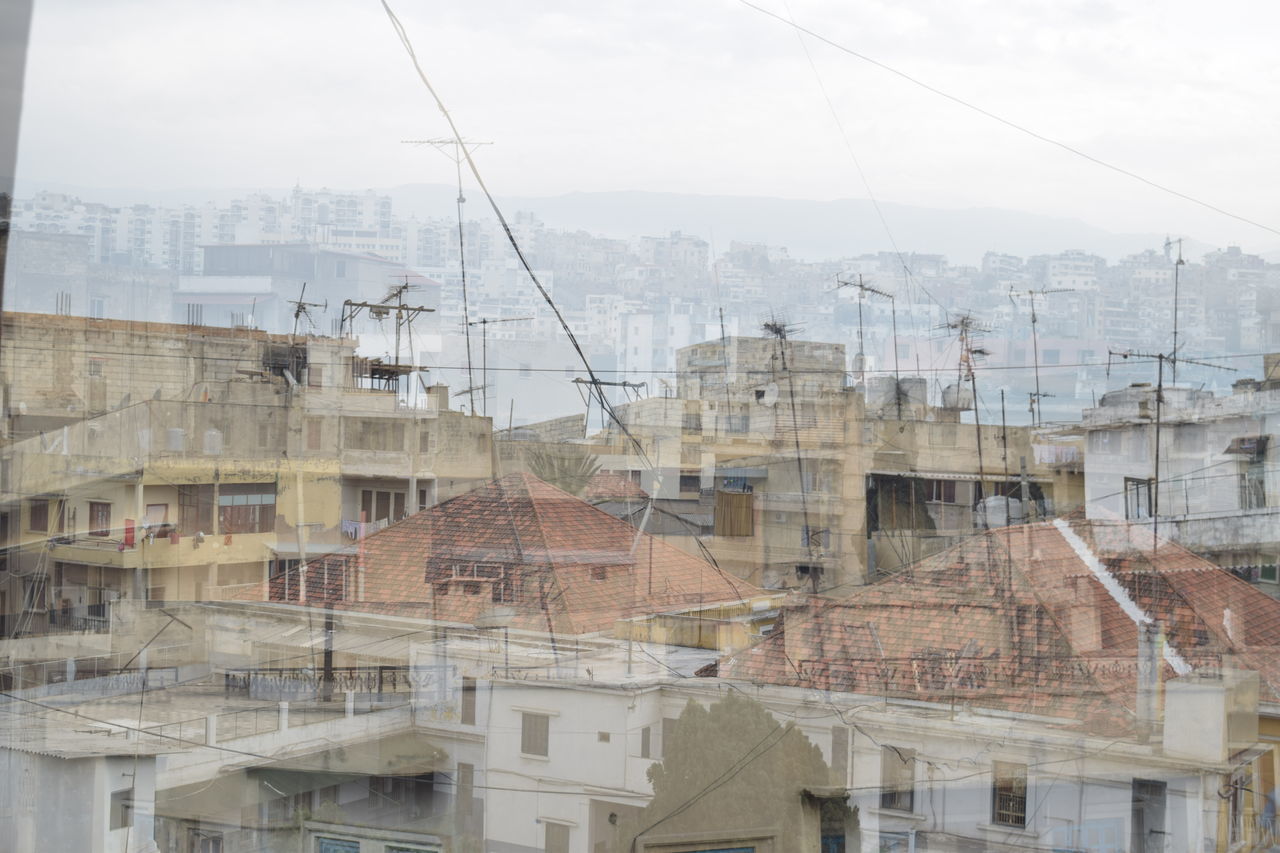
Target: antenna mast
x=970, y=332
x=302, y=308
x=1168, y=244
x=484, y=324
x=1160, y=358
x=863, y=290
x=458, y=149
x=1032, y=295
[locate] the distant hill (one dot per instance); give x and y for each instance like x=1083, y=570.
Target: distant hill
x=811, y=230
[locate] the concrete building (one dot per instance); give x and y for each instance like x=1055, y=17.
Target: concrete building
x=1216, y=491
x=209, y=471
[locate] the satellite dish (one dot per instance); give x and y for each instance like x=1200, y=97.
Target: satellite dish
x=769, y=395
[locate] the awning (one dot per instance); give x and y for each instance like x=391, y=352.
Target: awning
x=989, y=477
x=1248, y=445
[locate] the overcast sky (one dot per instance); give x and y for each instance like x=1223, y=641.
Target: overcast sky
x=674, y=95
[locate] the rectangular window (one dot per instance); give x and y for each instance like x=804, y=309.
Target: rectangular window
x=1147, y=834
x=38, y=515
x=315, y=433
x=99, y=518
x=466, y=788
x=121, y=808
x=940, y=491
x=468, y=701
x=535, y=733
x=1137, y=498
x=315, y=376
x=839, y=756
x=372, y=434
x=646, y=742
x=1253, y=485
x=556, y=838
x=247, y=508
x=897, y=778
x=195, y=508
x=690, y=482
x=1009, y=794
x=734, y=514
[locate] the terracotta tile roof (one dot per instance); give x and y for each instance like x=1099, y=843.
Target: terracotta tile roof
x=1040, y=618
x=612, y=486
x=554, y=561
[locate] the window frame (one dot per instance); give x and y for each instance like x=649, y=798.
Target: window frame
x=900, y=763
x=535, y=731
x=1009, y=780
x=100, y=518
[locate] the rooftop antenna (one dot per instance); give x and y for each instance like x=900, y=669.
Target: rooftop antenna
x=863, y=290
x=1032, y=295
x=1161, y=358
x=484, y=324
x=301, y=309
x=1169, y=244
x=778, y=328
x=970, y=333
x=458, y=149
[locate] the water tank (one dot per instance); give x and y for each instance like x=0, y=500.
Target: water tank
x=957, y=397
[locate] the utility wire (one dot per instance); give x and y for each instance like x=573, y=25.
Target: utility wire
x=1009, y=123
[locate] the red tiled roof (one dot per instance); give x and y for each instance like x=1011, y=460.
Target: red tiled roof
x=612, y=486
x=557, y=562
x=1018, y=618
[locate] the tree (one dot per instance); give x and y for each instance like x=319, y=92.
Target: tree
x=732, y=769
x=569, y=472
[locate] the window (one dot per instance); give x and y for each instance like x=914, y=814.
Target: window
x=646, y=742
x=813, y=537
x=206, y=841
x=556, y=837
x=1253, y=485
x=38, y=514
x=336, y=845
x=424, y=441
x=156, y=514
x=99, y=518
x=1137, y=498
x=603, y=737
x=839, y=755
x=315, y=376
x=1009, y=794
x=195, y=508
x=897, y=778
x=599, y=573
x=734, y=515
x=690, y=482
x=315, y=433
x=1147, y=815
x=247, y=508
x=940, y=491
x=535, y=732
x=1051, y=356
x=468, y=712
x=121, y=808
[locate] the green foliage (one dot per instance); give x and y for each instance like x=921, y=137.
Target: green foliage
x=565, y=470
x=729, y=767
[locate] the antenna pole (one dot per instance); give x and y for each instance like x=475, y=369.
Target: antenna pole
x=461, y=151
x=897, y=379
x=1176, y=267
x=1155, y=483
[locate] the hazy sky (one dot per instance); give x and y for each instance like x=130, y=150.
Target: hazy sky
x=673, y=95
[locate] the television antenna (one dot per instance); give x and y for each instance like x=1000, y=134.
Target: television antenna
x=1161, y=358
x=1177, y=266
x=863, y=290
x=302, y=309
x=970, y=332
x=1032, y=296
x=484, y=324
x=778, y=328
x=392, y=304
x=458, y=150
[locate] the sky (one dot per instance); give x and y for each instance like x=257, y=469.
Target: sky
x=709, y=97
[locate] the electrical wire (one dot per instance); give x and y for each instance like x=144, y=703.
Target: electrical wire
x=1008, y=122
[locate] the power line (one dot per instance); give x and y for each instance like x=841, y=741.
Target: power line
x=1009, y=123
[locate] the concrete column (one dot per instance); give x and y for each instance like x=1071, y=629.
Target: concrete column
x=284, y=716
x=71, y=669
x=211, y=730
x=351, y=703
